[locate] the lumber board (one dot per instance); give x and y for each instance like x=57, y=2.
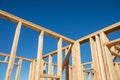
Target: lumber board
x=111, y=69
x=59, y=58
x=87, y=63
x=117, y=68
x=39, y=56
x=54, y=52
x=50, y=66
x=114, y=42
x=18, y=57
x=76, y=61
x=107, y=30
x=17, y=77
x=33, y=26
x=100, y=57
x=88, y=69
x=95, y=64
x=66, y=57
x=49, y=76
x=13, y=52
x=7, y=62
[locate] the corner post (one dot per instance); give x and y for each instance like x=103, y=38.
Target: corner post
x=76, y=61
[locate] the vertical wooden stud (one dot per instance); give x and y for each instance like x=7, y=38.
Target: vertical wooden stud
x=39, y=56
x=18, y=70
x=83, y=74
x=30, y=71
x=59, y=59
x=52, y=70
x=50, y=66
x=108, y=55
x=95, y=62
x=67, y=67
x=13, y=52
x=76, y=61
x=117, y=68
x=44, y=68
x=70, y=73
x=34, y=70
x=100, y=57
x=104, y=59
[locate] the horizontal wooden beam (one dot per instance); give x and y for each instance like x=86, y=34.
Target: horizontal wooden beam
x=117, y=47
x=117, y=62
x=5, y=62
x=49, y=76
x=33, y=26
x=54, y=52
x=87, y=63
x=107, y=30
x=85, y=70
x=52, y=64
x=115, y=53
x=27, y=59
x=113, y=43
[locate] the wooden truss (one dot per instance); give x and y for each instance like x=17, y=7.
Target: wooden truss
x=104, y=52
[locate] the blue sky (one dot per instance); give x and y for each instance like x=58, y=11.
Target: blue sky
x=72, y=18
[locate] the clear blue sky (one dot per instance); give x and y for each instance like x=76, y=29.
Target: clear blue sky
x=72, y=18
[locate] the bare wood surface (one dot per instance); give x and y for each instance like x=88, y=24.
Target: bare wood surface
x=49, y=76
x=59, y=58
x=76, y=61
x=107, y=30
x=18, y=57
x=39, y=56
x=18, y=70
x=13, y=52
x=50, y=66
x=96, y=67
x=108, y=55
x=33, y=26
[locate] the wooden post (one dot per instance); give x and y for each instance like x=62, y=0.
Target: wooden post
x=13, y=52
x=18, y=70
x=50, y=66
x=39, y=56
x=117, y=68
x=59, y=59
x=76, y=61
x=100, y=57
x=43, y=69
x=109, y=60
x=96, y=67
x=30, y=71
x=52, y=69
x=83, y=74
x=71, y=71
x=67, y=67
x=34, y=70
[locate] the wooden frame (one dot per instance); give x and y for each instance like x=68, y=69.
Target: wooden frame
x=103, y=51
